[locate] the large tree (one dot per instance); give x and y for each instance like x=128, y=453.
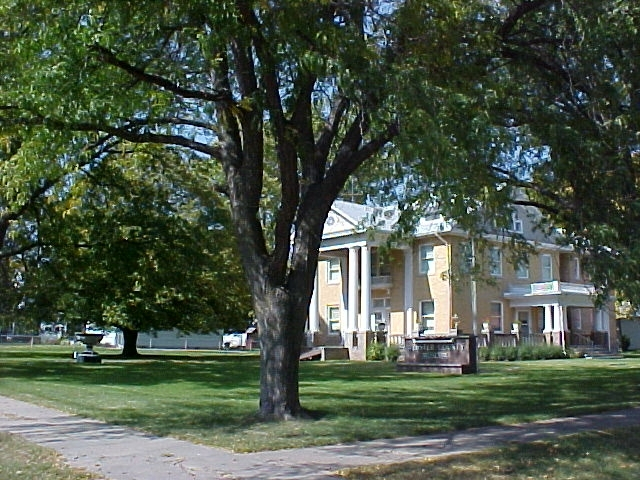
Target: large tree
x=574, y=94
x=310, y=90
x=208, y=76
x=138, y=242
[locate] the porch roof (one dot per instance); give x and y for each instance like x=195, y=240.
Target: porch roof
x=549, y=293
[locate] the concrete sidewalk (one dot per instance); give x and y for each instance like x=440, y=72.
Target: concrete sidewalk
x=120, y=453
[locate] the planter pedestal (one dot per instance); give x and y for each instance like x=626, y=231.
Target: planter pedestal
x=88, y=355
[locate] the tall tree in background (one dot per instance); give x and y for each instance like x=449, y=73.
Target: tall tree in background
x=574, y=95
x=139, y=242
x=449, y=85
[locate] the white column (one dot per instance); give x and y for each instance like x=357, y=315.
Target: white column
x=559, y=313
x=606, y=325
x=408, y=292
x=548, y=319
x=314, y=318
x=352, y=295
x=365, y=289
x=557, y=318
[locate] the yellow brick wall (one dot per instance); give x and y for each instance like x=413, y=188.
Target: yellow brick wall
x=328, y=293
x=451, y=293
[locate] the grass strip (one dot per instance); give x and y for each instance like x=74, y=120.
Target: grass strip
x=586, y=456
x=27, y=461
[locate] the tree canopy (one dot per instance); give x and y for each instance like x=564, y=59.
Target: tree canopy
x=469, y=99
x=140, y=243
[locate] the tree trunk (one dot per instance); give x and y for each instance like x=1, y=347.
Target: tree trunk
x=281, y=323
x=129, y=348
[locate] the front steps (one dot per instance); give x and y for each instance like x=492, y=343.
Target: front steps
x=326, y=353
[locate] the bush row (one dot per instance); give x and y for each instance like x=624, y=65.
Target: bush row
x=523, y=352
x=381, y=351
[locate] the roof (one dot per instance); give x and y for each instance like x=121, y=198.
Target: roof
x=348, y=218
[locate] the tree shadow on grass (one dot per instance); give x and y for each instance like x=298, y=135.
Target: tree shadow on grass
x=222, y=372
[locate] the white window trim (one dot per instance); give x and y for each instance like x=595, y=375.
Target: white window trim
x=331, y=319
x=430, y=259
x=517, y=225
x=522, y=271
x=544, y=269
x=495, y=268
x=501, y=328
x=330, y=262
x=431, y=319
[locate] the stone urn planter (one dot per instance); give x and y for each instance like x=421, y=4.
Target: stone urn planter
x=89, y=340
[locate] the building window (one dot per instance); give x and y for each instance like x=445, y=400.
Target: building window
x=495, y=262
x=333, y=270
x=546, y=268
x=522, y=269
x=427, y=259
x=427, y=316
x=378, y=303
x=516, y=223
x=575, y=319
x=577, y=274
x=495, y=317
x=380, y=308
x=380, y=266
x=333, y=318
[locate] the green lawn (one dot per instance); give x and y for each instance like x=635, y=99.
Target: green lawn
x=212, y=398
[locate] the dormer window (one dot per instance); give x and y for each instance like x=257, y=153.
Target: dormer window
x=516, y=223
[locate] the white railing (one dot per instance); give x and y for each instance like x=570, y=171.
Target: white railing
x=550, y=288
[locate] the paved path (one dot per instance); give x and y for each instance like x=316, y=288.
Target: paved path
x=120, y=453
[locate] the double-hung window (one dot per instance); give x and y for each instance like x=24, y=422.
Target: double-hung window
x=427, y=259
x=495, y=262
x=333, y=318
x=522, y=269
x=333, y=270
x=427, y=316
x=496, y=316
x=546, y=268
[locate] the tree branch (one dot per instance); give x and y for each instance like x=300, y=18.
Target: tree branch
x=347, y=163
x=518, y=13
x=147, y=137
x=329, y=131
x=285, y=146
x=111, y=59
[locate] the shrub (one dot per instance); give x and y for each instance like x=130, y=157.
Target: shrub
x=483, y=353
x=549, y=352
x=523, y=352
x=625, y=343
x=526, y=352
x=391, y=353
x=376, y=351
x=380, y=351
x=511, y=353
x=497, y=353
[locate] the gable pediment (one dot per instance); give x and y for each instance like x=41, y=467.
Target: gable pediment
x=338, y=224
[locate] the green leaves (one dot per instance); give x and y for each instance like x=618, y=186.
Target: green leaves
x=133, y=247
